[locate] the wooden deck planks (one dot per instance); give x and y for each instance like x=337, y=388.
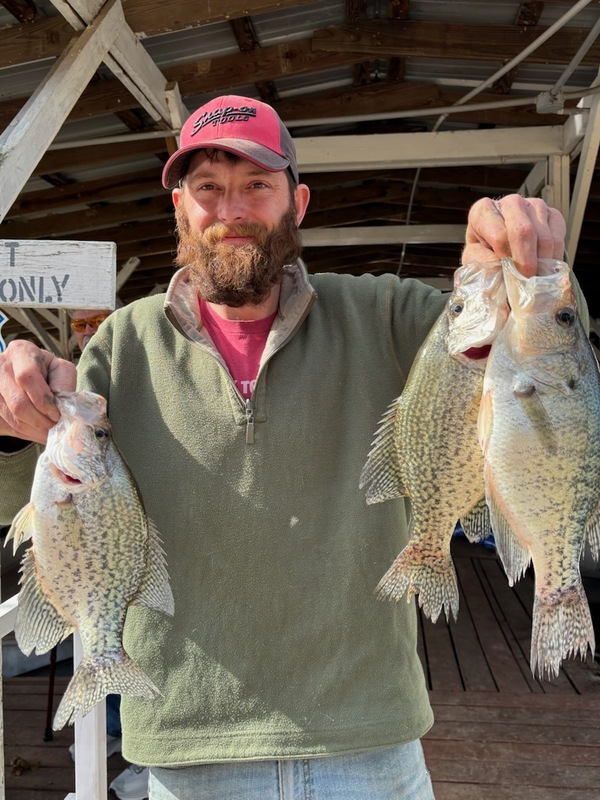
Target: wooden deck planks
x=499, y=734
x=494, y=745
x=48, y=770
x=519, y=737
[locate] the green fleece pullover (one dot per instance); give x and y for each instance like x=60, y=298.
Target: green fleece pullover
x=278, y=647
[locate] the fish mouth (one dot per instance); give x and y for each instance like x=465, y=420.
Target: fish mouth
x=477, y=353
x=64, y=477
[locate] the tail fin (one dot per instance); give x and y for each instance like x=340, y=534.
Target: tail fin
x=561, y=629
x=433, y=579
x=97, y=676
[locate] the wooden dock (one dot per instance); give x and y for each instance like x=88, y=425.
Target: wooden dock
x=499, y=733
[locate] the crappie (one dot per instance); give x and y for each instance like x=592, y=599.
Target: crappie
x=427, y=445
x=93, y=553
x=540, y=434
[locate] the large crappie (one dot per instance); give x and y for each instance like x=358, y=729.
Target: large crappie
x=94, y=553
x=540, y=433
x=427, y=445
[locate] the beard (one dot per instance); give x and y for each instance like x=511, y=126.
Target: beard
x=231, y=275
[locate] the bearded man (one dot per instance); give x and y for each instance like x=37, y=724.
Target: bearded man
x=245, y=402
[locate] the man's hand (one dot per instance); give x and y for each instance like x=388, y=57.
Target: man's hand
x=523, y=228
x=29, y=378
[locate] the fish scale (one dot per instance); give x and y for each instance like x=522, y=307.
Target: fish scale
x=93, y=553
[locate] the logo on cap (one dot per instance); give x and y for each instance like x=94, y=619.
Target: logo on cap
x=223, y=115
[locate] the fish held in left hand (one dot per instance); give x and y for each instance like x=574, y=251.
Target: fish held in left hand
x=94, y=552
x=427, y=447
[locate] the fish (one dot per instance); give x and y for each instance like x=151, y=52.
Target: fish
x=427, y=446
x=539, y=430
x=93, y=553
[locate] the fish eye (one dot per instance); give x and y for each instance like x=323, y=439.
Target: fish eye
x=565, y=317
x=456, y=309
x=101, y=433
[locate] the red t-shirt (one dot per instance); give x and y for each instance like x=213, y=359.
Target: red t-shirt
x=240, y=343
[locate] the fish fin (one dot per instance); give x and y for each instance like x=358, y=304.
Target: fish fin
x=592, y=532
x=21, y=529
x=537, y=415
x=432, y=578
x=514, y=555
x=484, y=419
x=154, y=590
x=476, y=522
x=560, y=629
x=38, y=626
x=97, y=676
x=382, y=474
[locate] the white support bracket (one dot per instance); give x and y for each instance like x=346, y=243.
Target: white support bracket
x=556, y=189
x=583, y=179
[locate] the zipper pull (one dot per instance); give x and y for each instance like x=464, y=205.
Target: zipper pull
x=249, y=422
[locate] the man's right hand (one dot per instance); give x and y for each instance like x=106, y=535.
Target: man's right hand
x=29, y=378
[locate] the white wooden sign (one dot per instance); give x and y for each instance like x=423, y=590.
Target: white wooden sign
x=57, y=274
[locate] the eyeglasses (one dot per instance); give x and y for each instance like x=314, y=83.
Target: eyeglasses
x=79, y=325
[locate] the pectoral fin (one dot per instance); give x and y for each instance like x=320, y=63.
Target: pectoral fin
x=485, y=420
x=530, y=401
x=22, y=526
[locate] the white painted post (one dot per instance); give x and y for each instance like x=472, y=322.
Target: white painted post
x=90, y=747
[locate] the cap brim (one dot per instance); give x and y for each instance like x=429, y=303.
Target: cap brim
x=256, y=153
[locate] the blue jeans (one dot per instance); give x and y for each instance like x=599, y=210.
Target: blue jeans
x=113, y=714
x=392, y=773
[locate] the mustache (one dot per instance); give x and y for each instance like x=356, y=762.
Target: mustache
x=218, y=232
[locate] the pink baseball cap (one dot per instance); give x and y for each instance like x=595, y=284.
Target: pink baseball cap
x=249, y=128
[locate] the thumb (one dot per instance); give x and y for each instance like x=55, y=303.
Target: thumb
x=62, y=375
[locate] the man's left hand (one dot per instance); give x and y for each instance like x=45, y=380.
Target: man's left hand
x=523, y=228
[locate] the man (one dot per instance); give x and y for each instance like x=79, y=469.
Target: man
x=85, y=322
x=257, y=392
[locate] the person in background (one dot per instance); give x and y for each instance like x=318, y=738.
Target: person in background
x=85, y=322
x=245, y=402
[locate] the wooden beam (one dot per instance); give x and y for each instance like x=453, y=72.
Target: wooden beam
x=428, y=39
x=383, y=234
x=450, y=148
x=127, y=59
x=47, y=38
x=26, y=139
x=208, y=75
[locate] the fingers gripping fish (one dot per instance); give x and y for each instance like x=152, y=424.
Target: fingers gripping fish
x=94, y=552
x=427, y=445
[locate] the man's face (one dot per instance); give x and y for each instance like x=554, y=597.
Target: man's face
x=85, y=323
x=237, y=226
